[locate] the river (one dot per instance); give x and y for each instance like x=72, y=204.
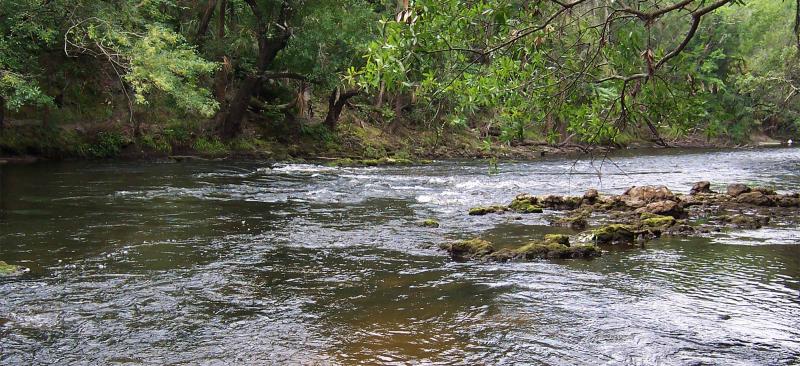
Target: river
x=251, y=263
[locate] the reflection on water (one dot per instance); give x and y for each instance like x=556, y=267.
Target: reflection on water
x=245, y=263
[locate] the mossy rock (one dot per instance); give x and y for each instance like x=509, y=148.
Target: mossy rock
x=557, y=238
x=485, y=210
x=574, y=222
x=10, y=269
x=525, y=207
x=614, y=234
x=657, y=221
x=525, y=203
x=469, y=249
x=553, y=250
x=430, y=223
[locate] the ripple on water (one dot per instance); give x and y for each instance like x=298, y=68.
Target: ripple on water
x=205, y=263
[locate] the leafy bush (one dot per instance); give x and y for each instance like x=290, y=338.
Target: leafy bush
x=210, y=146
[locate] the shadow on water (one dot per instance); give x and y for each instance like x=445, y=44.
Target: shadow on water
x=245, y=263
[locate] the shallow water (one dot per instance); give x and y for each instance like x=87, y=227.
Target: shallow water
x=246, y=263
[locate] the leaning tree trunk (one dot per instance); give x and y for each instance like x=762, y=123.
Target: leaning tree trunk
x=268, y=49
x=202, y=28
x=336, y=104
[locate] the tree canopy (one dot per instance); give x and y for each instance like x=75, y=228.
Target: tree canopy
x=583, y=70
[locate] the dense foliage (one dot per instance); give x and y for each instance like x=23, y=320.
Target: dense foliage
x=593, y=71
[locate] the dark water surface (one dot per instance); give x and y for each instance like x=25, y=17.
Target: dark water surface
x=246, y=263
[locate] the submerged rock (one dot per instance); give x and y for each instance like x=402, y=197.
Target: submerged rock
x=746, y=221
x=430, y=223
x=485, y=210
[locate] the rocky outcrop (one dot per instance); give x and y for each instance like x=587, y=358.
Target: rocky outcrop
x=649, y=193
x=701, y=187
x=469, y=249
x=640, y=214
x=485, y=210
x=554, y=246
x=614, y=234
x=736, y=189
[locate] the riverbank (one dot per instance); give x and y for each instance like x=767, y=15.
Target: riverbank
x=350, y=142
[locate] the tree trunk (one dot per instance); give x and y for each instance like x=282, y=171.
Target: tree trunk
x=336, y=104
x=202, y=28
x=221, y=22
x=2, y=112
x=268, y=49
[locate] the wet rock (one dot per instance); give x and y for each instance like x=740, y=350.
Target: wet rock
x=525, y=203
x=614, y=234
x=11, y=269
x=574, y=222
x=649, y=193
x=555, y=246
x=701, y=188
x=591, y=196
x=557, y=239
x=736, y=189
x=557, y=251
x=657, y=221
x=664, y=208
x=430, y=223
x=787, y=201
x=560, y=202
x=765, y=190
x=680, y=230
x=755, y=198
x=469, y=249
x=485, y=210
x=747, y=221
x=503, y=255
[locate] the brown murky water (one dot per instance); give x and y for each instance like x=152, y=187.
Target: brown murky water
x=246, y=263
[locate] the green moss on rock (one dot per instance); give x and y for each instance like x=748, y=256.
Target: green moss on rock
x=525, y=203
x=430, y=223
x=9, y=269
x=614, y=234
x=525, y=207
x=657, y=221
x=485, y=210
x=552, y=250
x=469, y=249
x=557, y=238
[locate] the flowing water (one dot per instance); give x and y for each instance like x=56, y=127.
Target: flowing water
x=251, y=263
